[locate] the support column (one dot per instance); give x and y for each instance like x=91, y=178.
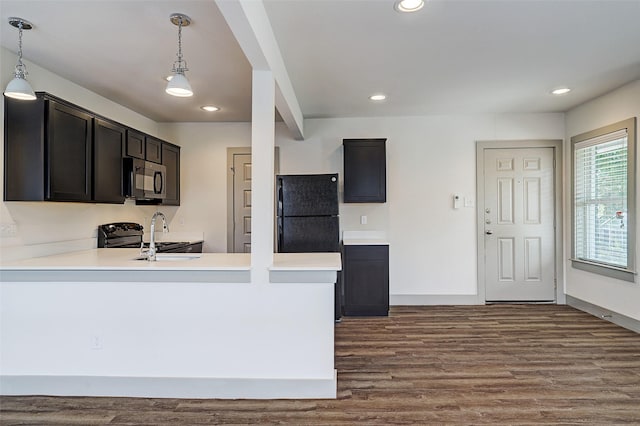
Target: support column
x=262, y=175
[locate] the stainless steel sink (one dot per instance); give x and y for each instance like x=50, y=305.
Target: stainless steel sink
x=172, y=257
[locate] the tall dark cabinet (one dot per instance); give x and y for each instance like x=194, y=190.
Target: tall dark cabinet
x=109, y=144
x=171, y=160
x=365, y=171
x=366, y=280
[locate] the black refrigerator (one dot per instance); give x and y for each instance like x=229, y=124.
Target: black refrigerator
x=308, y=213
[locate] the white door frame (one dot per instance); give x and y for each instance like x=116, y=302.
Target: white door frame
x=557, y=159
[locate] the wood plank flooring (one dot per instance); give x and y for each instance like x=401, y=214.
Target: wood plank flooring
x=497, y=364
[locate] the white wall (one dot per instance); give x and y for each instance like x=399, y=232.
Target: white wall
x=44, y=228
x=619, y=296
x=432, y=246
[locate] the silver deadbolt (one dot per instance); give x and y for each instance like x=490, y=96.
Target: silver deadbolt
x=488, y=221
x=487, y=210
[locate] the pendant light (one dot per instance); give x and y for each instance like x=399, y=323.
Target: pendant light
x=19, y=87
x=179, y=85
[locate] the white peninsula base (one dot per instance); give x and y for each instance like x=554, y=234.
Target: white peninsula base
x=183, y=329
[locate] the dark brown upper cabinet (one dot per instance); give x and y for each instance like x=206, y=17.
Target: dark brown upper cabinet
x=57, y=151
x=154, y=150
x=365, y=171
x=136, y=144
x=48, y=151
x=144, y=147
x=108, y=145
x=171, y=160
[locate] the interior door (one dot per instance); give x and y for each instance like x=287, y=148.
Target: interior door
x=242, y=203
x=519, y=224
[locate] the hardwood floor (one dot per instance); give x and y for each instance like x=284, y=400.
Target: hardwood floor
x=497, y=364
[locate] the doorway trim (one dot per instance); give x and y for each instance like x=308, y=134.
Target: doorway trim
x=556, y=144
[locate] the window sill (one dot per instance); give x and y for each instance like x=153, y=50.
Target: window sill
x=606, y=270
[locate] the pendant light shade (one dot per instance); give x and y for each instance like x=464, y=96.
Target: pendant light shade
x=179, y=85
x=19, y=87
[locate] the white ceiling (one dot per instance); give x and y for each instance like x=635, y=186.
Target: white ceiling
x=453, y=56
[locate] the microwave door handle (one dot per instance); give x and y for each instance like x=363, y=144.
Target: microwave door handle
x=158, y=183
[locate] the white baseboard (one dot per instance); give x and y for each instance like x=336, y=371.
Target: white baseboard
x=170, y=387
x=430, y=300
x=605, y=314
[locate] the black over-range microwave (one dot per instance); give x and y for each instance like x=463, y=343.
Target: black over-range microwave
x=144, y=180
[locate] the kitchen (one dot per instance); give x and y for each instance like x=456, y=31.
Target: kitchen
x=433, y=255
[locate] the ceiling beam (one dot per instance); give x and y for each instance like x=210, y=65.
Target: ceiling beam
x=250, y=25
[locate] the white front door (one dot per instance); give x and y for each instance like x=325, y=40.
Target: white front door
x=519, y=235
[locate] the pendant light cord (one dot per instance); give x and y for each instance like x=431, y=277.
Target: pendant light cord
x=180, y=68
x=21, y=69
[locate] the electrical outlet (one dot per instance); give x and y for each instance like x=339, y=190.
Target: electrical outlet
x=96, y=343
x=8, y=230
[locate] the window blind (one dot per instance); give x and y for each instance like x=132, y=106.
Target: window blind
x=601, y=199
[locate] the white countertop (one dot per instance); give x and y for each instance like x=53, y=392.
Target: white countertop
x=306, y=262
x=109, y=259
x=364, y=238
x=365, y=242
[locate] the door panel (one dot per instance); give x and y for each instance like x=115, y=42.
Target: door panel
x=242, y=203
x=519, y=224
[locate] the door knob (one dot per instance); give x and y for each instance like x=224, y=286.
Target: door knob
x=489, y=232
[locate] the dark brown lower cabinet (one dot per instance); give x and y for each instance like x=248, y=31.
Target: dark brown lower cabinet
x=366, y=280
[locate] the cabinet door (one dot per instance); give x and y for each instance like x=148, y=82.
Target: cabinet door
x=24, y=150
x=171, y=160
x=366, y=280
x=69, y=154
x=365, y=170
x=108, y=146
x=154, y=150
x=135, y=144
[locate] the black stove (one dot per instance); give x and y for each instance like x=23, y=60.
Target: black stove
x=129, y=235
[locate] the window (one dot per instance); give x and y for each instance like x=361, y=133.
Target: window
x=604, y=200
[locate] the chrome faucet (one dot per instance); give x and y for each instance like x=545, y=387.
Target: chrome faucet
x=151, y=252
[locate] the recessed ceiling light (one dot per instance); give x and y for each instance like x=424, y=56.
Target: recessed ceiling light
x=210, y=108
x=378, y=97
x=408, y=5
x=561, y=91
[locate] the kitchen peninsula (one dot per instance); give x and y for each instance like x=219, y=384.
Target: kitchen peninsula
x=98, y=322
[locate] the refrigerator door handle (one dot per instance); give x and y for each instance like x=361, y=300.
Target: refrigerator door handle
x=279, y=243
